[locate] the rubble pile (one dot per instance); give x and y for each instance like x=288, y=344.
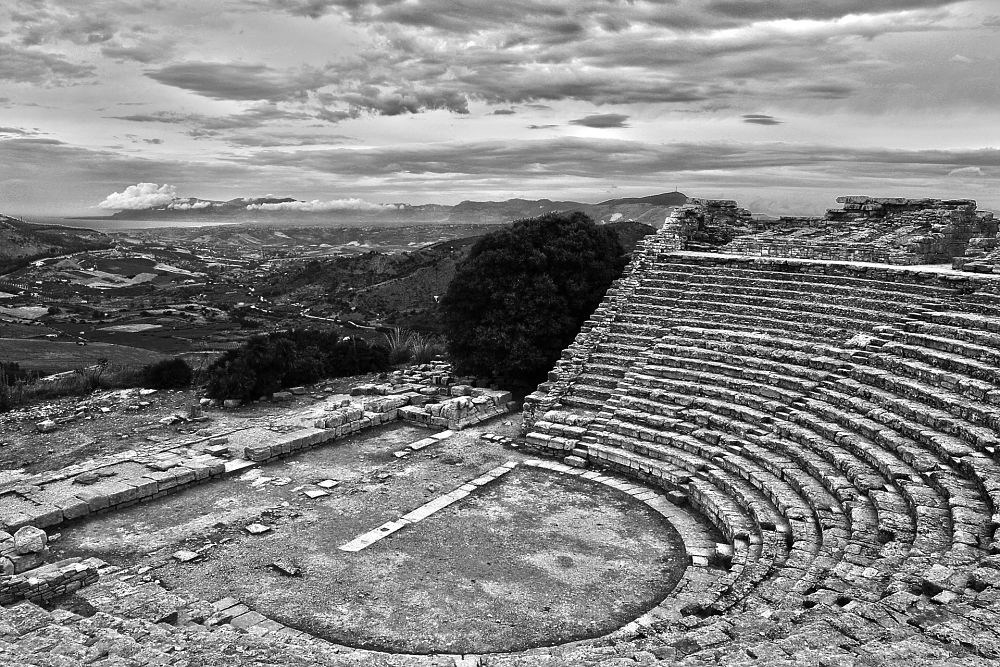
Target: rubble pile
x=25, y=576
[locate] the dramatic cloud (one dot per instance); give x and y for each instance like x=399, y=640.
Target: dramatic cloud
x=17, y=132
x=760, y=119
x=602, y=159
x=967, y=171
x=402, y=101
x=828, y=9
x=226, y=98
x=39, y=68
x=602, y=120
x=140, y=196
x=202, y=125
x=145, y=52
x=237, y=81
x=316, y=206
x=190, y=205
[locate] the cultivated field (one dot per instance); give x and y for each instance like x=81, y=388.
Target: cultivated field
x=52, y=357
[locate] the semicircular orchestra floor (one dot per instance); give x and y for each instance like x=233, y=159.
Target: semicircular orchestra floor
x=530, y=559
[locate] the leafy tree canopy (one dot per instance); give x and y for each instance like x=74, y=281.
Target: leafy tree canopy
x=523, y=292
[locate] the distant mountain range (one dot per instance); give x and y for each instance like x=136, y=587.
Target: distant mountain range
x=650, y=210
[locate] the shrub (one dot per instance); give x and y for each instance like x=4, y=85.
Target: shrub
x=424, y=349
x=399, y=344
x=167, y=374
x=266, y=363
x=522, y=293
x=11, y=385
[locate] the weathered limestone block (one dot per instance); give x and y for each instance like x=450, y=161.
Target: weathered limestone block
x=46, y=426
x=6, y=543
x=74, y=508
x=29, y=540
x=97, y=500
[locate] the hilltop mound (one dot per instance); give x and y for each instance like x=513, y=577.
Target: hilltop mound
x=22, y=242
x=662, y=199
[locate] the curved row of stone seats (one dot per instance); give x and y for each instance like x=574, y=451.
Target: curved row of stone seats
x=769, y=303
x=847, y=401
x=751, y=552
x=696, y=383
x=899, y=426
x=859, y=426
x=650, y=305
x=758, y=490
x=806, y=506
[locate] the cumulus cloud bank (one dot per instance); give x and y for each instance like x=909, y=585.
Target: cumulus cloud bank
x=189, y=206
x=317, y=206
x=140, y=196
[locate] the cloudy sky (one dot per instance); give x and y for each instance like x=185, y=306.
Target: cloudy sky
x=782, y=104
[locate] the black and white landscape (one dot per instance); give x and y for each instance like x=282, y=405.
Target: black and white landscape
x=453, y=333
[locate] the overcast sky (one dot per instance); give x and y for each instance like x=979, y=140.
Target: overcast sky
x=781, y=104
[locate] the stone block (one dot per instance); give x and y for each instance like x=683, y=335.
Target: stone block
x=97, y=500
x=46, y=426
x=43, y=516
x=257, y=452
x=24, y=562
x=29, y=540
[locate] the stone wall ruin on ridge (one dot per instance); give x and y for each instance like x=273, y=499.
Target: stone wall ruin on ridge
x=888, y=230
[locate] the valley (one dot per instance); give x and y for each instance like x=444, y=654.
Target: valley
x=132, y=296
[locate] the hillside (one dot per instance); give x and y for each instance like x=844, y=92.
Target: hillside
x=392, y=289
x=21, y=242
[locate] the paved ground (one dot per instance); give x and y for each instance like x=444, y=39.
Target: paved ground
x=532, y=559
x=132, y=420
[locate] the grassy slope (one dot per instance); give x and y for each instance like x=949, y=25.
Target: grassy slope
x=21, y=243
x=52, y=357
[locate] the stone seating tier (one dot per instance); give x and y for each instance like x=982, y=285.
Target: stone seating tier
x=842, y=419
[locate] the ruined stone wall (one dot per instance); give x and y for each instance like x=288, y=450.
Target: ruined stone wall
x=709, y=223
x=428, y=395
x=866, y=229
x=25, y=576
x=48, y=581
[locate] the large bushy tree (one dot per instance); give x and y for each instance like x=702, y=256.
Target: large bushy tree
x=522, y=293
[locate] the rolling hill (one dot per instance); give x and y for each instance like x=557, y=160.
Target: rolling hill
x=22, y=242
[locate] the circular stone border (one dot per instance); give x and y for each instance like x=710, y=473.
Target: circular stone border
x=698, y=544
